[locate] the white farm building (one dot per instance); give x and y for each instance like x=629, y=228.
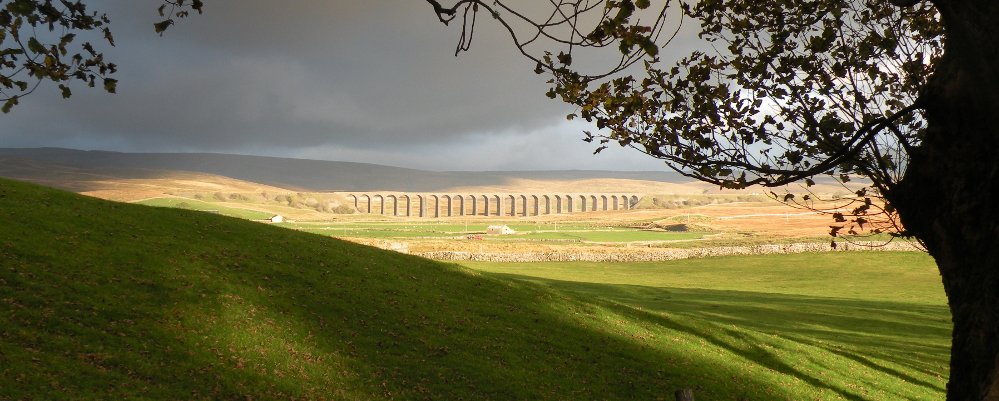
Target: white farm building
x=499, y=230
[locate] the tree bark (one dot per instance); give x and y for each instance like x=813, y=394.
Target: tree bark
x=949, y=196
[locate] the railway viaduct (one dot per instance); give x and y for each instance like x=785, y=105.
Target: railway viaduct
x=495, y=204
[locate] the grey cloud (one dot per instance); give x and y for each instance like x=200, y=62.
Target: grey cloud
x=305, y=77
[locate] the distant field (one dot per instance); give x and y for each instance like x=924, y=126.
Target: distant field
x=571, y=231
x=896, y=276
x=377, y=233
x=725, y=231
x=614, y=236
x=199, y=205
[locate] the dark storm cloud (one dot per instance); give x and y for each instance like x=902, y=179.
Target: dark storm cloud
x=300, y=73
x=294, y=77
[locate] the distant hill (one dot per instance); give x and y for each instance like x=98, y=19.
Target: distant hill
x=319, y=175
x=122, y=184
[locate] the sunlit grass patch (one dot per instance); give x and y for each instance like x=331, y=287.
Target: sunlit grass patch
x=200, y=205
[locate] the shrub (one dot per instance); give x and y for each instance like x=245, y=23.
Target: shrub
x=343, y=209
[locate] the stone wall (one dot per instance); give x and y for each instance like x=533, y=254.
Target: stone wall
x=668, y=254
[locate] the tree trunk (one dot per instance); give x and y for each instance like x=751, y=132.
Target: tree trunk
x=949, y=197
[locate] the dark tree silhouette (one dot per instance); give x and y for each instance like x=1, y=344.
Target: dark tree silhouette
x=901, y=92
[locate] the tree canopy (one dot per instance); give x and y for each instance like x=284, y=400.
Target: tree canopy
x=787, y=91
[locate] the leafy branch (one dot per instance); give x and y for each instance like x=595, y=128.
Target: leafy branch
x=29, y=57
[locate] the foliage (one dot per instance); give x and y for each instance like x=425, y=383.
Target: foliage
x=29, y=57
x=789, y=90
x=343, y=209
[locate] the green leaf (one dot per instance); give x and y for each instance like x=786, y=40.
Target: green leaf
x=565, y=58
x=162, y=26
x=642, y=4
x=66, y=93
x=10, y=103
x=110, y=84
x=36, y=46
x=650, y=47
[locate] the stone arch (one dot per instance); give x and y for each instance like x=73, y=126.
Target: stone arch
x=632, y=201
x=475, y=204
x=422, y=200
x=447, y=199
x=499, y=205
x=356, y=206
x=395, y=204
x=604, y=199
x=625, y=204
x=485, y=205
x=582, y=203
x=368, y=200
x=409, y=204
x=614, y=201
x=381, y=203
x=437, y=205
x=593, y=203
x=461, y=205
x=513, y=205
x=568, y=203
x=548, y=204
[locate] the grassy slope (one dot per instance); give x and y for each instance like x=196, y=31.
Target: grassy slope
x=105, y=300
x=199, y=205
x=872, y=320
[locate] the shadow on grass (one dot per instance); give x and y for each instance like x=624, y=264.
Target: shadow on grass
x=889, y=337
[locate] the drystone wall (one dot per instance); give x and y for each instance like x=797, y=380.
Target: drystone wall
x=668, y=254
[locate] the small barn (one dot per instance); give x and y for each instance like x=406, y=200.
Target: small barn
x=499, y=230
x=277, y=218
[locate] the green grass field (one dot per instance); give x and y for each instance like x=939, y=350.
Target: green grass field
x=199, y=205
x=103, y=300
x=394, y=229
x=851, y=321
x=577, y=231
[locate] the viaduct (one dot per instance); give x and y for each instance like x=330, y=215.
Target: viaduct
x=448, y=205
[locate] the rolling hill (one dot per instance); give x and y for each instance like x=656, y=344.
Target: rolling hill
x=317, y=175
x=106, y=300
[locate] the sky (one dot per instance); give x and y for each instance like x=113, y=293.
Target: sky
x=371, y=81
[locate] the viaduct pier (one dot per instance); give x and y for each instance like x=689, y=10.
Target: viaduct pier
x=492, y=204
